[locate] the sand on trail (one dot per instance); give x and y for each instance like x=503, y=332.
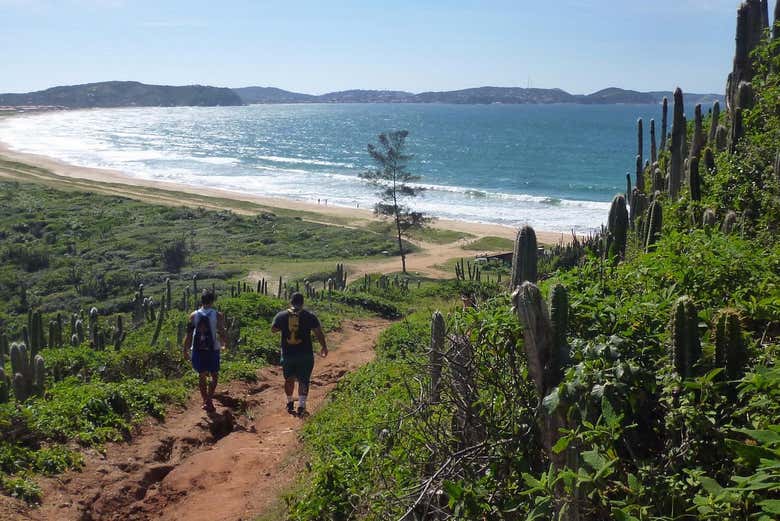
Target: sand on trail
x=227, y=466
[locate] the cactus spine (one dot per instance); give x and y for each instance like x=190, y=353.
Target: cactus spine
x=617, y=226
x=524, y=257
x=438, y=330
x=654, y=224
x=678, y=142
x=686, y=346
x=730, y=349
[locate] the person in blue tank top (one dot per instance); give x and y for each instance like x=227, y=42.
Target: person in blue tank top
x=296, y=326
x=206, y=337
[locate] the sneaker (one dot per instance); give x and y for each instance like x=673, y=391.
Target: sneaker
x=290, y=408
x=301, y=411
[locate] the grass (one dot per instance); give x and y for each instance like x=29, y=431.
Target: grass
x=490, y=244
x=427, y=234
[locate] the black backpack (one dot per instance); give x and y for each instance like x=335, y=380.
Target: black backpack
x=204, y=338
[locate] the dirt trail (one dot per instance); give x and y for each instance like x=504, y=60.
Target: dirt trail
x=228, y=466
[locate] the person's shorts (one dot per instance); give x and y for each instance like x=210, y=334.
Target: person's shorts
x=205, y=361
x=298, y=367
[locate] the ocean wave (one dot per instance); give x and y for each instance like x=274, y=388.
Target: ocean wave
x=303, y=161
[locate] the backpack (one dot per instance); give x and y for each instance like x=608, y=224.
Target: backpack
x=203, y=336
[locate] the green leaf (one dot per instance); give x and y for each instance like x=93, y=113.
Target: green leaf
x=551, y=401
x=750, y=453
x=561, y=445
x=612, y=419
x=712, y=487
x=764, y=436
x=770, y=506
x=621, y=515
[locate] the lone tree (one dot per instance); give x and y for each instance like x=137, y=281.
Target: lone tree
x=392, y=178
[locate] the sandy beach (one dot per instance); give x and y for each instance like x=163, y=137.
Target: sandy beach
x=114, y=177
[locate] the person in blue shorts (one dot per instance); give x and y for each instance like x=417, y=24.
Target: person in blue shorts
x=296, y=326
x=206, y=337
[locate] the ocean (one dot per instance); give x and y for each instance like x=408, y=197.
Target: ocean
x=555, y=167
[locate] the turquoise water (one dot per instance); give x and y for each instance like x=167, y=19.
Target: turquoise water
x=553, y=166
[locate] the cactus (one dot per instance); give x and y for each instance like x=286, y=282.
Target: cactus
x=694, y=181
x=640, y=136
x=721, y=138
x=5, y=386
x=138, y=306
x=559, y=319
x=709, y=219
x=438, y=331
x=279, y=288
x=524, y=257
x=698, y=140
x=79, y=326
x=776, y=166
x=729, y=222
x=686, y=346
x=93, y=327
x=119, y=333
x=638, y=207
x=664, y=121
x=29, y=372
x=4, y=353
x=658, y=184
x=730, y=349
x=158, y=327
x=653, y=148
x=709, y=161
x=640, y=174
x=678, y=142
x=20, y=388
x=751, y=17
x=617, y=226
x=654, y=224
x=745, y=95
x=168, y=294
x=737, y=130
x=39, y=376
x=195, y=285
x=714, y=123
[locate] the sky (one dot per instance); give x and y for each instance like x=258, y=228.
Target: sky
x=416, y=45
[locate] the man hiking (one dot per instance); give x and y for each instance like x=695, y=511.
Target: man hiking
x=296, y=325
x=205, y=330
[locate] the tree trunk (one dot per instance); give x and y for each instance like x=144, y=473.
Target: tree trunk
x=400, y=242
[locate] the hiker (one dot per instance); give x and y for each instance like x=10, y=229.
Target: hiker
x=296, y=325
x=205, y=330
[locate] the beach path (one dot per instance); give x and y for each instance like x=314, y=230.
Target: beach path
x=232, y=465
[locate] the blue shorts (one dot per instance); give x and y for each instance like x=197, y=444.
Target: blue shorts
x=205, y=361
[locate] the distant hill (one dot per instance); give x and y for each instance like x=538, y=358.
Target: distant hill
x=272, y=95
x=135, y=94
x=478, y=95
x=124, y=94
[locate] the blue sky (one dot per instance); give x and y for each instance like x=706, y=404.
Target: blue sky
x=417, y=45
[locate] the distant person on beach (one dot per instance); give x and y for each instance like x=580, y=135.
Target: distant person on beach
x=205, y=330
x=296, y=326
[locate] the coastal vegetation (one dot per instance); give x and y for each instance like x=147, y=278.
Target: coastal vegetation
x=636, y=381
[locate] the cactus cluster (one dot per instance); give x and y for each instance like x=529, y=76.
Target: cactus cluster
x=524, y=257
x=262, y=286
x=464, y=270
x=685, y=344
x=29, y=373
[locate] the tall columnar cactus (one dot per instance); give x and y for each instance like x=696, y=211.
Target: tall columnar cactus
x=640, y=136
x=638, y=208
x=79, y=331
x=341, y=277
x=664, y=121
x=279, y=288
x=721, y=138
x=119, y=333
x=751, y=18
x=160, y=319
x=694, y=181
x=654, y=224
x=524, y=257
x=438, y=331
x=699, y=140
x=35, y=338
x=686, y=345
x=776, y=166
x=729, y=222
x=139, y=314
x=709, y=161
x=617, y=226
x=640, y=173
x=737, y=130
x=714, y=123
x=168, y=294
x=4, y=353
x=628, y=186
x=559, y=319
x=730, y=349
x=5, y=386
x=745, y=95
x=653, y=146
x=29, y=373
x=678, y=142
x=658, y=183
x=93, y=327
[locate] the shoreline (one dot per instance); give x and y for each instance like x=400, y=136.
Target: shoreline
x=116, y=177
